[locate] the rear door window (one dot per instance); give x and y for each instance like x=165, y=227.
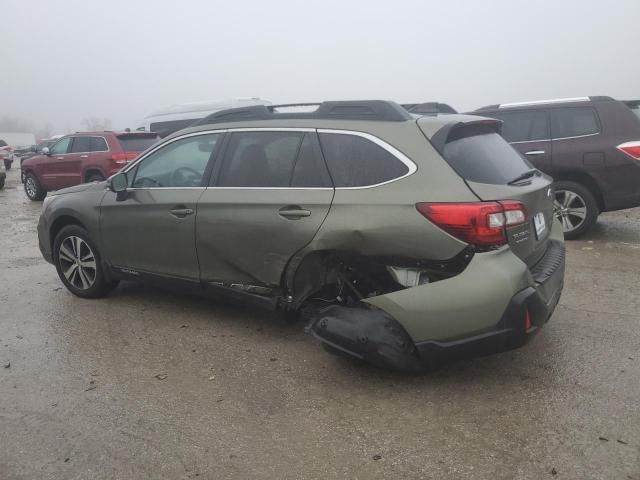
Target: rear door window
x=574, y=122
x=310, y=170
x=355, y=161
x=98, y=144
x=260, y=159
x=81, y=145
x=479, y=154
x=523, y=126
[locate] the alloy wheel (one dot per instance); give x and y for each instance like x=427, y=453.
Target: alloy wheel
x=77, y=262
x=30, y=187
x=570, y=208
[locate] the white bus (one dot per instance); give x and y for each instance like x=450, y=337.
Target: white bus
x=165, y=121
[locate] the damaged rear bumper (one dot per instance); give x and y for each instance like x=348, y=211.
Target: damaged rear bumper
x=377, y=337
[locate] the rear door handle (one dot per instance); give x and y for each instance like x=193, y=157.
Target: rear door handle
x=294, y=212
x=535, y=152
x=181, y=212
x=60, y=158
x=84, y=156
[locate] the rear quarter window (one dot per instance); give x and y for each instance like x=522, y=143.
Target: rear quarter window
x=574, y=122
x=355, y=161
x=479, y=154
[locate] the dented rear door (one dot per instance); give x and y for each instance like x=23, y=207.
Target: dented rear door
x=268, y=198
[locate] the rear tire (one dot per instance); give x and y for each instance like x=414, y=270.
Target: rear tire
x=576, y=208
x=2, y=183
x=79, y=264
x=7, y=164
x=33, y=189
x=95, y=177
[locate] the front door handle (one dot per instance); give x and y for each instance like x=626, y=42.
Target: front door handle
x=181, y=212
x=293, y=212
x=60, y=158
x=84, y=156
x=535, y=152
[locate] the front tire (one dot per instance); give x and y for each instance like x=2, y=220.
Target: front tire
x=79, y=264
x=576, y=208
x=7, y=164
x=2, y=183
x=33, y=189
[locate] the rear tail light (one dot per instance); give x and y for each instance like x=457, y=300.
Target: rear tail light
x=631, y=148
x=122, y=158
x=477, y=223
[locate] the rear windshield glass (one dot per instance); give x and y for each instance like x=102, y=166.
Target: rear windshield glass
x=137, y=143
x=635, y=107
x=484, y=157
x=167, y=128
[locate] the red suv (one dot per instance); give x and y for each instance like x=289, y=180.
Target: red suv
x=80, y=158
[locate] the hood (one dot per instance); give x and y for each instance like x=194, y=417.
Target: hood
x=81, y=188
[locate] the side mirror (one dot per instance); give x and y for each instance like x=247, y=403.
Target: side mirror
x=119, y=184
x=46, y=151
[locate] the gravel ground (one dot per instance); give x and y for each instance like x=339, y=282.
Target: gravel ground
x=151, y=384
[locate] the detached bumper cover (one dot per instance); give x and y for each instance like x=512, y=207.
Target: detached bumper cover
x=538, y=301
x=367, y=334
x=376, y=337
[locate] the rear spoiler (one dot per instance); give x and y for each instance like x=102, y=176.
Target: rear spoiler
x=428, y=108
x=462, y=129
x=632, y=104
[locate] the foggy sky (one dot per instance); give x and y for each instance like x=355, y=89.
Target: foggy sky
x=62, y=61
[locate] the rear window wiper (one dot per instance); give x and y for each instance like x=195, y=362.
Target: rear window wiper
x=524, y=176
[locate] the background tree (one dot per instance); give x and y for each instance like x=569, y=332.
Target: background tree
x=96, y=124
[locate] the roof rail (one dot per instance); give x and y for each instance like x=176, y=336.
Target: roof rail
x=377, y=110
x=428, y=108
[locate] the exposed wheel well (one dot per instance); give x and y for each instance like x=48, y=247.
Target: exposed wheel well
x=586, y=180
x=361, y=276
x=60, y=223
x=91, y=172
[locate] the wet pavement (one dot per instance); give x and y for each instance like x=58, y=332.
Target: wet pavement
x=151, y=384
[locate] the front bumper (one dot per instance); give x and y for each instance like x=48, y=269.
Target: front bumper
x=379, y=337
x=43, y=240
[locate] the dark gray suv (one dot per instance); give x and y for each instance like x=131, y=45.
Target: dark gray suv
x=589, y=145
x=404, y=238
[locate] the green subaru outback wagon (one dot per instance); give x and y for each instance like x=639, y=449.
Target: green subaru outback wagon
x=405, y=240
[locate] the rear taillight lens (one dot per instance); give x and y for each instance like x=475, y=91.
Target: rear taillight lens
x=477, y=223
x=631, y=148
x=122, y=158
